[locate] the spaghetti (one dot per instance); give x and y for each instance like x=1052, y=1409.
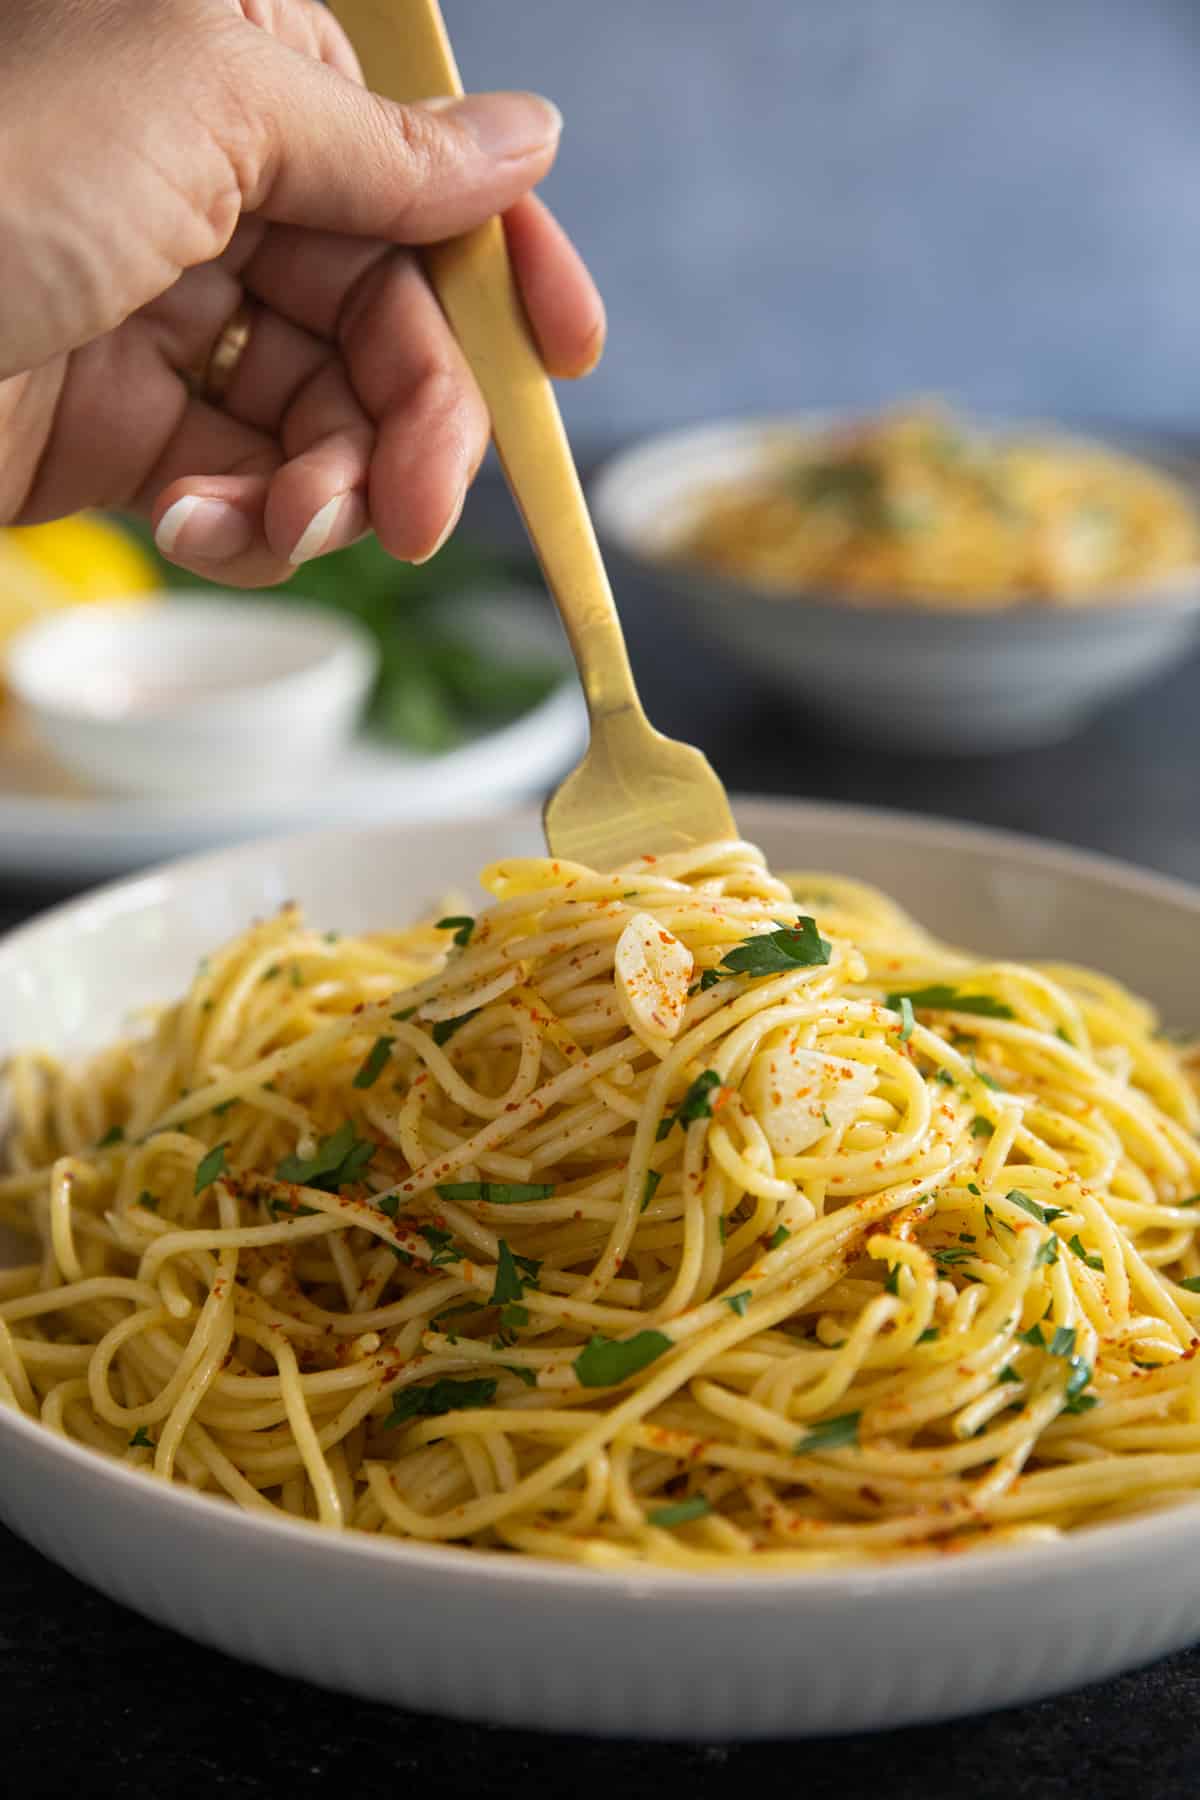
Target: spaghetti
x=914, y=508
x=675, y=1216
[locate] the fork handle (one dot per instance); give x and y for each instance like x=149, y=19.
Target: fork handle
x=406, y=55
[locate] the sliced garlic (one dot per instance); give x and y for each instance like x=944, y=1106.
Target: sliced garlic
x=798, y=1095
x=653, y=972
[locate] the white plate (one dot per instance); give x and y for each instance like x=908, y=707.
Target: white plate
x=524, y=1642
x=52, y=827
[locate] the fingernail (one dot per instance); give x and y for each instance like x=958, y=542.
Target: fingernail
x=451, y=525
x=504, y=125
x=204, y=530
x=318, y=532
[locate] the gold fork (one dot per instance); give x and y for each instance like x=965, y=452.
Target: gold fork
x=636, y=792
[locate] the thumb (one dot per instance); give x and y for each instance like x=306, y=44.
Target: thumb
x=326, y=153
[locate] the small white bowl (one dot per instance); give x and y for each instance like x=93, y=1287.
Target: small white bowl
x=888, y=672
x=182, y=697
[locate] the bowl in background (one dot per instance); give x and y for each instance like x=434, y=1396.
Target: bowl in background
x=936, y=677
x=519, y=1640
x=194, y=695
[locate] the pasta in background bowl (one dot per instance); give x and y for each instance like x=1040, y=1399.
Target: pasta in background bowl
x=917, y=583
x=617, y=1644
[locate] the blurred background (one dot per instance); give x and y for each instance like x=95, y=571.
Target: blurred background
x=794, y=204
x=789, y=207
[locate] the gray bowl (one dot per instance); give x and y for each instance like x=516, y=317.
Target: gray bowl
x=923, y=677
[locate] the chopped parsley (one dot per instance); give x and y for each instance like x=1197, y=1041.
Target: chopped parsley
x=114, y=1135
x=929, y=1334
x=1047, y=1252
x=892, y=1284
x=1063, y=1341
x=798, y=946
x=389, y=1205
x=442, y=1244
x=461, y=925
x=512, y=1272
x=496, y=1193
x=830, y=1434
x=1008, y=1373
x=406, y=1012
x=739, y=1302
x=341, y=1158
x=1075, y=1243
x=444, y=1029
x=1081, y=1373
x=951, y=1255
x=439, y=1397
x=696, y=1104
x=780, y=1235
x=907, y=1020
x=528, y=1376
x=653, y=1177
x=606, y=1362
x=941, y=998
x=210, y=1167
x=682, y=1513
x=141, y=1439
x=375, y=1063
x=981, y=1127
x=289, y=1209
x=1033, y=1336
x=1190, y=1284
x=1045, y=1215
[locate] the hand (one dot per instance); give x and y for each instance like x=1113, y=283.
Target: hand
x=160, y=164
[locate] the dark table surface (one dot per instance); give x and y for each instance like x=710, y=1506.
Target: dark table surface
x=97, y=1701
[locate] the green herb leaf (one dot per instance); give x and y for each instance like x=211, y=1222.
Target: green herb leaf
x=1047, y=1252
x=981, y=1127
x=290, y=1209
x=739, y=1302
x=1077, y=1380
x=439, y=1397
x=442, y=1244
x=951, y=1255
x=141, y=1439
x=461, y=925
x=210, y=1167
x=606, y=1362
x=1063, y=1341
x=780, y=1235
x=1044, y=1215
x=513, y=1317
x=528, y=1376
x=405, y=1013
x=940, y=998
x=1190, y=1284
x=1008, y=1373
x=830, y=1434
x=389, y=1205
x=929, y=1334
x=496, y=1193
x=798, y=946
x=341, y=1158
x=444, y=1029
x=150, y=1201
x=375, y=1063
x=696, y=1104
x=906, y=1017
x=653, y=1177
x=892, y=1284
x=709, y=979
x=1093, y=1262
x=1033, y=1336
x=512, y=1272
x=682, y=1513
x=114, y=1135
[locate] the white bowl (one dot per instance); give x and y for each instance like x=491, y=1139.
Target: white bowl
x=929, y=677
x=193, y=695
x=524, y=1642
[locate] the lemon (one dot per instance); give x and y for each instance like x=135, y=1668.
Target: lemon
x=67, y=563
x=87, y=556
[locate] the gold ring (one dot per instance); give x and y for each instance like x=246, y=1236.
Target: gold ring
x=215, y=378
